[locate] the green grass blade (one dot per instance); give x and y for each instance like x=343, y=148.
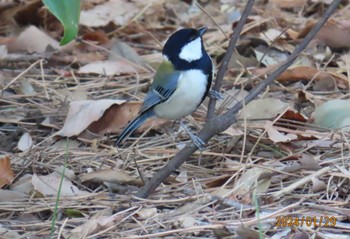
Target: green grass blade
x=68, y=13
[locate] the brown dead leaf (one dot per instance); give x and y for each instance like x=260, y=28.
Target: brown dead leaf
x=23, y=184
x=247, y=233
x=294, y=115
x=317, y=185
x=146, y=213
x=335, y=33
x=263, y=109
x=298, y=73
x=309, y=162
x=121, y=50
x=82, y=113
x=289, y=3
x=247, y=182
x=108, y=68
x=117, y=11
x=32, y=40
x=98, y=37
x=48, y=185
x=118, y=116
x=98, y=224
x=277, y=136
x=111, y=176
x=6, y=173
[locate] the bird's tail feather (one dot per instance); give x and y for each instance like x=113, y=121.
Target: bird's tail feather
x=134, y=125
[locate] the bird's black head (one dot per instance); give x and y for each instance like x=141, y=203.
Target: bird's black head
x=185, y=50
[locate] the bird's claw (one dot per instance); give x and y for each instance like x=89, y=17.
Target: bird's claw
x=198, y=142
x=216, y=95
x=195, y=139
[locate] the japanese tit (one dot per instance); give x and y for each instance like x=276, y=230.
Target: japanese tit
x=181, y=82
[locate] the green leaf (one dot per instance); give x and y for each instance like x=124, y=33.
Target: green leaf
x=67, y=12
x=73, y=213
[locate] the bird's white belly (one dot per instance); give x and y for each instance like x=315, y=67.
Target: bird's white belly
x=191, y=87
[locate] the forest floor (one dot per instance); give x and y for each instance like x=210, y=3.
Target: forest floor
x=282, y=171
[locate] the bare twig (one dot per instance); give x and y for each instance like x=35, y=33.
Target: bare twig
x=231, y=47
x=217, y=124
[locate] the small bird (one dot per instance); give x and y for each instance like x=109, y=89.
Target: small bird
x=181, y=82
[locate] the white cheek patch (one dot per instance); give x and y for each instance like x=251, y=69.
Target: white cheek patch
x=192, y=51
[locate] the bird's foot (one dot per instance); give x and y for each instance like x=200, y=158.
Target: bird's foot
x=195, y=139
x=216, y=95
x=198, y=142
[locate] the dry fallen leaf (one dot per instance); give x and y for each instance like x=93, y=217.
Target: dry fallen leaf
x=146, y=213
x=289, y=3
x=335, y=33
x=10, y=196
x=108, y=68
x=266, y=108
x=334, y=114
x=317, y=185
x=25, y=142
x=82, y=113
x=98, y=224
x=23, y=184
x=111, y=176
x=277, y=136
x=33, y=40
x=298, y=73
x=6, y=173
x=117, y=11
x=48, y=185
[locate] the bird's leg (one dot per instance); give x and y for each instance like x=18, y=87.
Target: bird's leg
x=216, y=95
x=196, y=140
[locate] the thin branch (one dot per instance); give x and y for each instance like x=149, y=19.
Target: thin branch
x=219, y=123
x=231, y=47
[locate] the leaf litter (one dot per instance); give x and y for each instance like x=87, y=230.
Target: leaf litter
x=287, y=155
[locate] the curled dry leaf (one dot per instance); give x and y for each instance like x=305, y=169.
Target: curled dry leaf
x=277, y=136
x=317, y=185
x=335, y=33
x=82, y=113
x=48, y=185
x=25, y=142
x=334, y=114
x=33, y=40
x=289, y=3
x=298, y=73
x=108, y=68
x=146, y=213
x=247, y=182
x=97, y=224
x=6, y=173
x=111, y=176
x=187, y=221
x=10, y=196
x=309, y=162
x=23, y=184
x=263, y=109
x=102, y=116
x=248, y=233
x=123, y=50
x=116, y=11
x=118, y=116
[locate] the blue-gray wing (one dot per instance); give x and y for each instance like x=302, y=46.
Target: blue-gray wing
x=162, y=88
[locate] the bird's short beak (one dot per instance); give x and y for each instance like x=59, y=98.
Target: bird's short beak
x=202, y=30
